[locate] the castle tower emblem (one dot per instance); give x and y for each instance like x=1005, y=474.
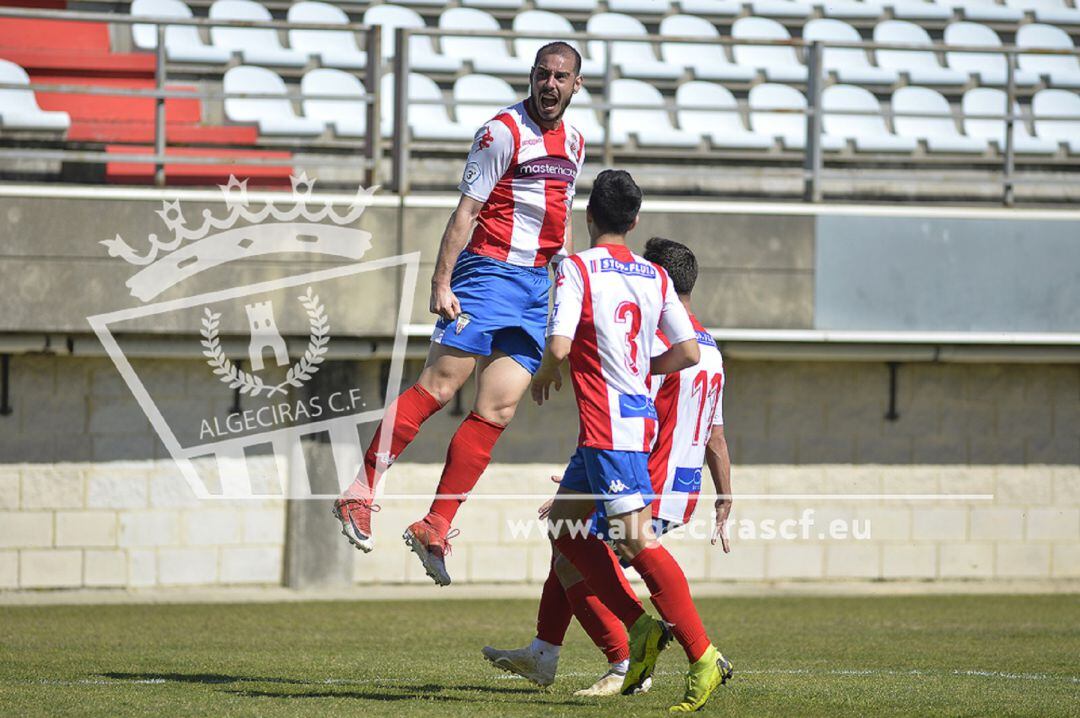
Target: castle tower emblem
x=264, y=335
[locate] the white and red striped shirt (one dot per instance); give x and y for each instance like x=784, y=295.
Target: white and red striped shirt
x=688, y=405
x=610, y=302
x=525, y=177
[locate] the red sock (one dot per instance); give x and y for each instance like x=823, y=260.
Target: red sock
x=671, y=596
x=469, y=454
x=595, y=561
x=553, y=616
x=599, y=622
x=413, y=408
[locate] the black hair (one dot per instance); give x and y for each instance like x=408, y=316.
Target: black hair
x=560, y=48
x=677, y=259
x=614, y=201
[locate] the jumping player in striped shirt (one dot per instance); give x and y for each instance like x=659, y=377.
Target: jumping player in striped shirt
x=609, y=304
x=689, y=409
x=490, y=290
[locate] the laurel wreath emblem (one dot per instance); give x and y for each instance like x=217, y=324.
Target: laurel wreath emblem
x=251, y=384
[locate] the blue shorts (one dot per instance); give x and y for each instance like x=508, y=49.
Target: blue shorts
x=620, y=477
x=503, y=307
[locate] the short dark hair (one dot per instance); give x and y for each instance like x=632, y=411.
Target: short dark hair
x=560, y=48
x=614, y=201
x=677, y=259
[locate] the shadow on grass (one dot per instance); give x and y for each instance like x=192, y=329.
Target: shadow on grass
x=210, y=679
x=429, y=692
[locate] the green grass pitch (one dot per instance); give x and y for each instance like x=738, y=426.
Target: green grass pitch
x=794, y=656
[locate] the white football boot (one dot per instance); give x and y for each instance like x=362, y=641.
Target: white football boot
x=536, y=663
x=610, y=684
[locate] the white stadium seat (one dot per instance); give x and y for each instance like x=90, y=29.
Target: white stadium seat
x=556, y=27
x=274, y=116
x=718, y=120
x=984, y=10
x=487, y=54
x=779, y=63
x=919, y=10
x=719, y=8
x=427, y=122
x=706, y=61
x=849, y=63
x=781, y=8
x=851, y=9
x=988, y=101
x=422, y=55
x=1055, y=12
x=494, y=91
x=19, y=109
x=425, y=3
x=939, y=133
x=347, y=116
x=634, y=59
x=585, y=119
x=653, y=128
x=921, y=66
x=1060, y=70
x=789, y=127
x=333, y=48
x=256, y=45
x=1047, y=105
x=182, y=43
x=868, y=132
x=571, y=5
x=495, y=4
x=991, y=68
x=640, y=7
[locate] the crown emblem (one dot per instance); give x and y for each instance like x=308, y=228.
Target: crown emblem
x=216, y=241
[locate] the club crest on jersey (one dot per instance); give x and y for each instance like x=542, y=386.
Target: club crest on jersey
x=616, y=486
x=484, y=141
x=462, y=322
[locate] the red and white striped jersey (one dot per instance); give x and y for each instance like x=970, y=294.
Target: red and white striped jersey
x=610, y=302
x=688, y=405
x=525, y=177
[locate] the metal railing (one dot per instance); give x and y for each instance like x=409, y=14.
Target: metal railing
x=814, y=172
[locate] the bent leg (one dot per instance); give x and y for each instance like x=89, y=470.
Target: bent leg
x=500, y=384
x=600, y=624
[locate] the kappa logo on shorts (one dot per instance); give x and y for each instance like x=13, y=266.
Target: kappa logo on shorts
x=462, y=322
x=616, y=486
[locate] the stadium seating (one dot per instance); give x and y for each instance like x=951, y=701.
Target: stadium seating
x=495, y=92
x=633, y=59
x=920, y=10
x=555, y=26
x=426, y=122
x=706, y=61
x=708, y=8
x=781, y=8
x=1059, y=70
x=990, y=68
x=938, y=133
x=852, y=10
x=422, y=54
x=850, y=64
x=989, y=101
x=19, y=109
x=1047, y=106
x=778, y=63
x=1051, y=11
x=333, y=48
x=567, y=5
x=718, y=120
x=788, y=125
x=921, y=66
x=867, y=132
x=495, y=4
x=585, y=118
x=347, y=116
x=651, y=127
x=256, y=46
x=486, y=54
x=984, y=10
x=182, y=44
x=272, y=115
x=640, y=7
